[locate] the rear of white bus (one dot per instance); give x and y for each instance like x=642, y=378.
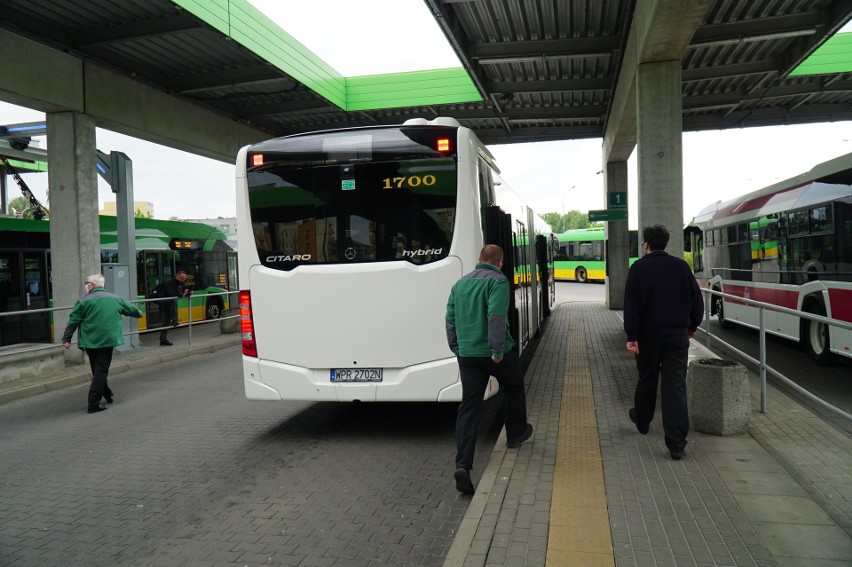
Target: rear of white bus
x=345, y=244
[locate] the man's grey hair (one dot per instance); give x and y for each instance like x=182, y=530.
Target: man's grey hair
x=96, y=279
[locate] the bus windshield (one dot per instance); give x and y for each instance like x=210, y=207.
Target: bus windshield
x=361, y=196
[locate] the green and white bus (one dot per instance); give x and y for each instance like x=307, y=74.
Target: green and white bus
x=162, y=248
x=582, y=254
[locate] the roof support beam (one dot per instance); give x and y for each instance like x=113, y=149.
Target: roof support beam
x=773, y=27
x=770, y=116
x=661, y=30
x=764, y=67
x=200, y=82
x=135, y=30
x=735, y=99
x=563, y=85
x=517, y=51
x=63, y=82
x=287, y=107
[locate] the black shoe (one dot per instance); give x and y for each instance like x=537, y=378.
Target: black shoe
x=97, y=409
x=463, y=483
x=643, y=429
x=676, y=455
x=515, y=443
x=108, y=397
x=166, y=342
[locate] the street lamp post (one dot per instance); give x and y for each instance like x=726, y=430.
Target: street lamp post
x=563, y=198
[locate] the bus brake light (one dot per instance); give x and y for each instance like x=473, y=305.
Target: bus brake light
x=443, y=145
x=247, y=325
x=257, y=160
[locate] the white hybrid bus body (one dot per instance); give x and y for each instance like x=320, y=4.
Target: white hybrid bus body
x=349, y=243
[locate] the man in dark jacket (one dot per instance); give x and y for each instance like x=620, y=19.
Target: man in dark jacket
x=663, y=307
x=174, y=289
x=98, y=315
x=478, y=333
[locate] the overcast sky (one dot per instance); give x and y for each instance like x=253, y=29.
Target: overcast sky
x=550, y=176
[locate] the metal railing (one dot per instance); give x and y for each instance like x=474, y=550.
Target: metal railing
x=191, y=300
x=763, y=367
x=189, y=322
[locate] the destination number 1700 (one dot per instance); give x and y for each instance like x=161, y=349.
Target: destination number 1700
x=410, y=181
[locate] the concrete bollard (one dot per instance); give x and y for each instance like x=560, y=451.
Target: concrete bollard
x=718, y=396
x=230, y=321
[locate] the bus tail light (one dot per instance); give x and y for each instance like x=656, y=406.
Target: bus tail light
x=247, y=325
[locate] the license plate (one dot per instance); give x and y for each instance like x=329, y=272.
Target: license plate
x=356, y=374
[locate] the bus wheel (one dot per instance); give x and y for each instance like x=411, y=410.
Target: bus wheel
x=815, y=336
x=719, y=309
x=581, y=275
x=213, y=309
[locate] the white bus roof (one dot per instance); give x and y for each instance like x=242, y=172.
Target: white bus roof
x=827, y=181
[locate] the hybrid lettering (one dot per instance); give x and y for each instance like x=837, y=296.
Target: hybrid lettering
x=426, y=252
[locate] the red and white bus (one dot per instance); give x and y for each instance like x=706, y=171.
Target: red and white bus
x=789, y=244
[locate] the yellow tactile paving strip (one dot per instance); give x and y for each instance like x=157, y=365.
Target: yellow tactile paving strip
x=579, y=521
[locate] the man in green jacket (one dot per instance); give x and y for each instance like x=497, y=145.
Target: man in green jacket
x=478, y=333
x=98, y=315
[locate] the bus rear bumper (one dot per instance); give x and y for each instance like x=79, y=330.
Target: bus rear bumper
x=255, y=389
x=428, y=382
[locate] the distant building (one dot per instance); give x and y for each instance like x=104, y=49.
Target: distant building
x=145, y=207
x=228, y=225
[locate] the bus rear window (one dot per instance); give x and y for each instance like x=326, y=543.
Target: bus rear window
x=353, y=212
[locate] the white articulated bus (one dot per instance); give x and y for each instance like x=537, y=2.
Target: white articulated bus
x=350, y=241
x=789, y=244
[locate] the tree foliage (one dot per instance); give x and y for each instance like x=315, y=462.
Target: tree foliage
x=140, y=214
x=568, y=221
x=21, y=204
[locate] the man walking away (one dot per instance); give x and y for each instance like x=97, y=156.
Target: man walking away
x=663, y=307
x=98, y=315
x=173, y=289
x=478, y=333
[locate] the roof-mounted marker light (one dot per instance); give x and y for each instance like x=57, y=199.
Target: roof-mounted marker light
x=443, y=145
x=256, y=160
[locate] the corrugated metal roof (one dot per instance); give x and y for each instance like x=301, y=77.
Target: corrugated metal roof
x=547, y=69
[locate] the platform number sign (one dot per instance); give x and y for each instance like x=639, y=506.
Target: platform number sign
x=617, y=200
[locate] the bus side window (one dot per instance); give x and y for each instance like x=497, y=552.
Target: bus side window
x=697, y=252
x=486, y=184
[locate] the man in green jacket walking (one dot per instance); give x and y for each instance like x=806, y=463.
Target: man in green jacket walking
x=478, y=333
x=98, y=315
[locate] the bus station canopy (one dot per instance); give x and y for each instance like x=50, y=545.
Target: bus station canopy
x=531, y=71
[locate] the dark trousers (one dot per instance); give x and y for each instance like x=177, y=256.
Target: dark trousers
x=168, y=317
x=667, y=359
x=99, y=360
x=474, y=372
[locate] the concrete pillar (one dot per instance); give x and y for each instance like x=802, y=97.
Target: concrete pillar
x=660, y=153
x=121, y=168
x=617, y=236
x=74, y=224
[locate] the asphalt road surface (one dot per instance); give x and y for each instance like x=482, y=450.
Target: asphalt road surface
x=182, y=470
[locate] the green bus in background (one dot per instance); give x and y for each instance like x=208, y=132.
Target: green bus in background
x=582, y=254
x=162, y=249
